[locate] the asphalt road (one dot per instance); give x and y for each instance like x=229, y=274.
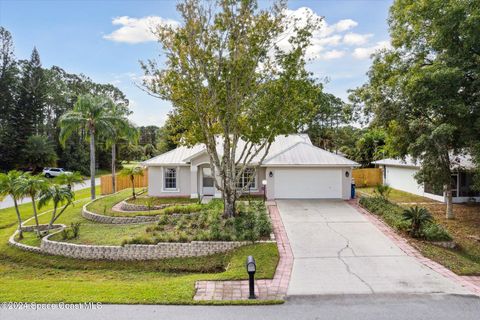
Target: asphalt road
x=8, y=201
x=344, y=307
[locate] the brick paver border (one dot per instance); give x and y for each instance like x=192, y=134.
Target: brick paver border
x=265, y=289
x=470, y=282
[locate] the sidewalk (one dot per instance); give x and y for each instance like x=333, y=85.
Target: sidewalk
x=265, y=289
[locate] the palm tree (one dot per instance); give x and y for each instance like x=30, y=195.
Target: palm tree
x=132, y=172
x=59, y=195
x=9, y=186
x=91, y=114
x=122, y=130
x=32, y=186
x=69, y=179
x=418, y=217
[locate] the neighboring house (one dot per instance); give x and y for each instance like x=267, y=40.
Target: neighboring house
x=293, y=169
x=400, y=174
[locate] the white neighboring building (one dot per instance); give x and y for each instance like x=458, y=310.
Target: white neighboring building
x=293, y=169
x=400, y=174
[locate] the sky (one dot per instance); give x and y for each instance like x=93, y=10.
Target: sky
x=105, y=40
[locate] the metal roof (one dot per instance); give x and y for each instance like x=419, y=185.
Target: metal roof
x=294, y=149
x=304, y=154
x=463, y=161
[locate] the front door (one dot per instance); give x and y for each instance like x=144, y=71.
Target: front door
x=208, y=185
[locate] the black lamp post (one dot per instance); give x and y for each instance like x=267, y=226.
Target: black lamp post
x=251, y=269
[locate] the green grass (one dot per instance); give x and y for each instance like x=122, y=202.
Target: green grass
x=27, y=276
x=156, y=201
x=465, y=258
x=397, y=196
x=105, y=205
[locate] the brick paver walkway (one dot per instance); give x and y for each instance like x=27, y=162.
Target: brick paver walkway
x=470, y=282
x=265, y=289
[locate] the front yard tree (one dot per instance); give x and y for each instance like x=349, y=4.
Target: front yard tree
x=90, y=114
x=39, y=152
x=229, y=80
x=132, y=172
x=424, y=90
x=122, y=131
x=10, y=186
x=69, y=179
x=32, y=186
x=59, y=196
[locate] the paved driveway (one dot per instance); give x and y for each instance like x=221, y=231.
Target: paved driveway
x=338, y=251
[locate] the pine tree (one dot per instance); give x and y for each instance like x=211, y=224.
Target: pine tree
x=8, y=94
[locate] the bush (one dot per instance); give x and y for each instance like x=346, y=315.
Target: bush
x=182, y=209
x=391, y=213
x=435, y=232
x=71, y=232
x=382, y=190
x=417, y=218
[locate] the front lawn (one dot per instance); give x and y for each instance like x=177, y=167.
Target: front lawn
x=27, y=276
x=397, y=196
x=464, y=231
x=157, y=201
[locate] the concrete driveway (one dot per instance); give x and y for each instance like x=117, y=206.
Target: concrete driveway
x=338, y=251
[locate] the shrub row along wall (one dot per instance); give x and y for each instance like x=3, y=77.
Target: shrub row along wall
x=115, y=220
x=139, y=251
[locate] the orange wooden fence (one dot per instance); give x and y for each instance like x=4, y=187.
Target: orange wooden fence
x=369, y=177
x=122, y=182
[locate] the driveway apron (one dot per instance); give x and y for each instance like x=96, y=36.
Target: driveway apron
x=338, y=251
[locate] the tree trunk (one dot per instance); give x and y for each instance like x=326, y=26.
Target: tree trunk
x=50, y=224
x=35, y=215
x=449, y=201
x=92, y=164
x=229, y=199
x=132, y=178
x=19, y=217
x=114, y=178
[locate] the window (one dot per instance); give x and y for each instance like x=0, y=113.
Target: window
x=170, y=178
x=248, y=174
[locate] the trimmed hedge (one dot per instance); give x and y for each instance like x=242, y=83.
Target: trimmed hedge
x=392, y=214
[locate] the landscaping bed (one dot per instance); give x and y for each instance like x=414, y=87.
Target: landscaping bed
x=163, y=281
x=464, y=258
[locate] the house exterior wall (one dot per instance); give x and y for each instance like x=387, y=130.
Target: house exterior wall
x=403, y=178
x=156, y=182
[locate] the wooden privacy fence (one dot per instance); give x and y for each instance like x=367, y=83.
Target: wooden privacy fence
x=122, y=182
x=369, y=177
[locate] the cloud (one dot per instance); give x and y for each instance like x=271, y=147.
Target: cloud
x=323, y=39
x=137, y=30
x=366, y=52
x=356, y=38
x=332, y=54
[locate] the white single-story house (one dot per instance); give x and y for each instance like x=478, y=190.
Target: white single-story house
x=293, y=169
x=400, y=174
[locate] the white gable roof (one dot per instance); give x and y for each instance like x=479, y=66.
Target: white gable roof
x=304, y=154
x=458, y=161
x=295, y=149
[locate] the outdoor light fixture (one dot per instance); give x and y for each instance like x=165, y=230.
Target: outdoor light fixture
x=251, y=269
x=264, y=183
x=347, y=174
x=270, y=174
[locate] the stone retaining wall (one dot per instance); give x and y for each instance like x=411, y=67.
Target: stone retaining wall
x=139, y=251
x=115, y=220
x=125, y=206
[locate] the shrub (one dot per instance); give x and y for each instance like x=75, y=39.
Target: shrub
x=391, y=213
x=182, y=209
x=435, y=232
x=71, y=232
x=382, y=190
x=417, y=217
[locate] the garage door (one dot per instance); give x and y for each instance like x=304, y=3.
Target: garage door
x=308, y=183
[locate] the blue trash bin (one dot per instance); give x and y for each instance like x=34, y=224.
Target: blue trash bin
x=353, y=191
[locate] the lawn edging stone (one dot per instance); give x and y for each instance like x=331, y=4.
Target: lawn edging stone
x=100, y=218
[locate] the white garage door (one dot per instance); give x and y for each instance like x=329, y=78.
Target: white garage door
x=311, y=183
